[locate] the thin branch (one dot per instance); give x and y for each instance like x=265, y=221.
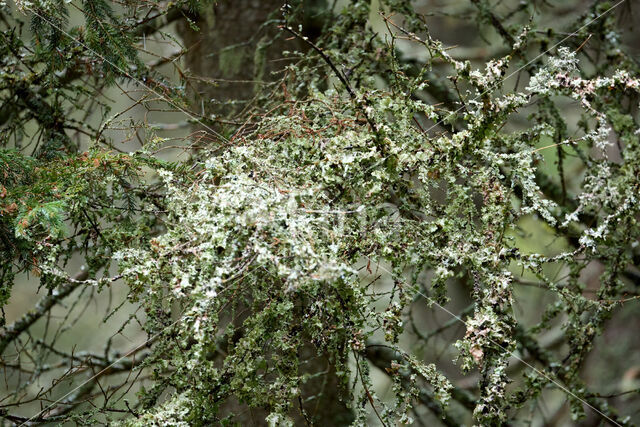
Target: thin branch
x=14, y=330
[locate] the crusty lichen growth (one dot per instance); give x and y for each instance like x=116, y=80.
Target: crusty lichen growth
x=283, y=216
x=263, y=236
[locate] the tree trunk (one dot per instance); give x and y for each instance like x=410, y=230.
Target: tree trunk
x=234, y=51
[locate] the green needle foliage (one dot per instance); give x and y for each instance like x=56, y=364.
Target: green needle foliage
x=262, y=244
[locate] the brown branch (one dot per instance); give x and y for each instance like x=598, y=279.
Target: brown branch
x=161, y=19
x=344, y=81
x=14, y=330
x=495, y=22
x=382, y=356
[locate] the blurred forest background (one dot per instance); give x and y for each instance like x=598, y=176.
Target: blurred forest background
x=224, y=70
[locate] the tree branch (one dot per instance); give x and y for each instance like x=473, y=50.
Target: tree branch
x=14, y=330
x=382, y=356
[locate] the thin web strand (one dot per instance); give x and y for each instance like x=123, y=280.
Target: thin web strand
x=130, y=352
x=511, y=353
x=534, y=60
x=124, y=72
x=198, y=120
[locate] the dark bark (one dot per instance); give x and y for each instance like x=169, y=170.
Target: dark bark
x=236, y=49
x=382, y=357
